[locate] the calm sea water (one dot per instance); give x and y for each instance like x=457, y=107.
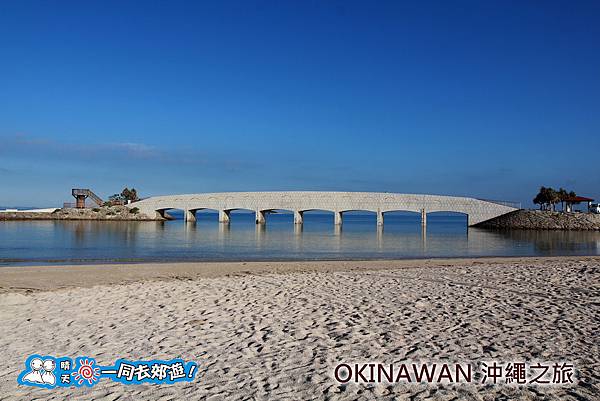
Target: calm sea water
x=48, y=242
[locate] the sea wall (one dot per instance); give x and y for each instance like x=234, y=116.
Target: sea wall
x=118, y=213
x=544, y=220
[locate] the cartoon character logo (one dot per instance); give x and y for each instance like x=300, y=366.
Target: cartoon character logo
x=51, y=372
x=48, y=376
x=40, y=371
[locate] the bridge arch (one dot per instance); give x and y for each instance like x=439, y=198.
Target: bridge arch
x=299, y=215
x=198, y=212
x=163, y=212
x=449, y=214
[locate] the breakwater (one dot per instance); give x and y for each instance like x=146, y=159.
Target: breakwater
x=118, y=213
x=544, y=220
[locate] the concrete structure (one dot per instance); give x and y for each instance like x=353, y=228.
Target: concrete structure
x=80, y=194
x=477, y=210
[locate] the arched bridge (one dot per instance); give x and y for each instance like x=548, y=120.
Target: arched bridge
x=299, y=202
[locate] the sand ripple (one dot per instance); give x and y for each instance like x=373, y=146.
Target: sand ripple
x=278, y=336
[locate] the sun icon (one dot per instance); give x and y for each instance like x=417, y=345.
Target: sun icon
x=86, y=372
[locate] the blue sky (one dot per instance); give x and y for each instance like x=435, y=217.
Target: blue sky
x=479, y=98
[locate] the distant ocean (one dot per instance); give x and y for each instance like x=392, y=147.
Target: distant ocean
x=20, y=207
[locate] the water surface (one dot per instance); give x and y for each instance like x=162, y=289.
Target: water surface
x=42, y=242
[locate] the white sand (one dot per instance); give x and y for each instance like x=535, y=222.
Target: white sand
x=269, y=335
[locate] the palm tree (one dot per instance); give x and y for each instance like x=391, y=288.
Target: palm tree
x=547, y=197
x=562, y=195
x=553, y=198
x=539, y=198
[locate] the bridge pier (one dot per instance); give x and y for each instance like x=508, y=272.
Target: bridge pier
x=189, y=215
x=224, y=216
x=298, y=217
x=260, y=217
x=423, y=218
x=337, y=218
x=379, y=217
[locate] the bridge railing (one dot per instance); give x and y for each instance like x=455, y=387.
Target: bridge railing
x=516, y=205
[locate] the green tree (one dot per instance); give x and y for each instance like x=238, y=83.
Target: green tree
x=553, y=198
x=547, y=197
x=129, y=194
x=562, y=195
x=115, y=198
x=539, y=198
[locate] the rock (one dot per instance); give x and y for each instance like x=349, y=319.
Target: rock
x=121, y=213
x=544, y=220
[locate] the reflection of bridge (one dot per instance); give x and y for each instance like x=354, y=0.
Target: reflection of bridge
x=337, y=202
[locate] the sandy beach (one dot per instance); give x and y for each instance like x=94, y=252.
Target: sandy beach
x=276, y=330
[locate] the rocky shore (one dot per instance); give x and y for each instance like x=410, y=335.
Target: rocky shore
x=544, y=220
x=118, y=213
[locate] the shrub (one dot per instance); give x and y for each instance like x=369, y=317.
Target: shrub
x=96, y=209
x=134, y=210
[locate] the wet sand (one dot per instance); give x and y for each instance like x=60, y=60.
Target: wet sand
x=276, y=330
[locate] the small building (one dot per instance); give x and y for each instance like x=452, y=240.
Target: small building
x=576, y=200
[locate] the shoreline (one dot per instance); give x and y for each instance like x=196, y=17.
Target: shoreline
x=33, y=278
x=134, y=261
x=102, y=213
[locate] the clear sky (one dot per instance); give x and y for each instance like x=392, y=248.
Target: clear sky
x=479, y=98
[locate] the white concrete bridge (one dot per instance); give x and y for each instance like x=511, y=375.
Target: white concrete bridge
x=299, y=202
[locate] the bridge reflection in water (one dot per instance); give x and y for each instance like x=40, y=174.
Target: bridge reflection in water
x=359, y=238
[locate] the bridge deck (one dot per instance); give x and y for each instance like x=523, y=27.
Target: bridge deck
x=477, y=210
